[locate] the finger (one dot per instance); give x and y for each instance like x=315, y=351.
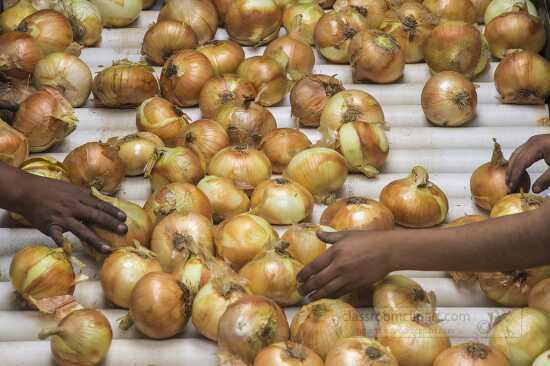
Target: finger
x=101, y=219
x=334, y=289
x=105, y=207
x=56, y=233
x=318, y=281
x=542, y=183
x=331, y=238
x=86, y=235
x=316, y=266
x=524, y=160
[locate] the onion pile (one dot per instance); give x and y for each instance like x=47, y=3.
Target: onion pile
x=359, y=351
x=20, y=54
x=118, y=13
x=267, y=76
x=300, y=19
x=373, y=10
x=224, y=56
x=206, y=137
x=222, y=90
x=174, y=165
x=165, y=38
x=295, y=56
x=136, y=150
x=52, y=31
x=303, y=243
x=287, y=354
x=281, y=145
x=499, y=7
x=200, y=15
x=539, y=296
x=357, y=213
x=14, y=147
x=470, y=354
x=226, y=199
x=516, y=203
x=253, y=22
x=158, y=116
x=460, y=10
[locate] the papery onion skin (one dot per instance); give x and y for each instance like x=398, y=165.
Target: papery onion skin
x=282, y=144
x=461, y=10
x=300, y=19
x=174, y=165
x=304, y=245
x=221, y=7
x=372, y=10
x=268, y=77
x=357, y=213
x=227, y=200
x=416, y=202
x=240, y=238
x=196, y=271
x=253, y=22
x=12, y=93
x=480, y=7
x=470, y=354
x=539, y=296
x=516, y=203
x=449, y=99
x=160, y=117
x=124, y=85
x=354, y=351
x=222, y=90
x=499, y=7
x=199, y=14
x=52, y=31
x=521, y=335
x=66, y=73
x=287, y=354
x=542, y=360
x=250, y=324
x=206, y=137
x=165, y=38
x=85, y=20
x=320, y=324
x=116, y=13
x=225, y=56
x=521, y=78
x=19, y=54
x=14, y=146
x=11, y=16
x=136, y=150
x=309, y=96
x=292, y=54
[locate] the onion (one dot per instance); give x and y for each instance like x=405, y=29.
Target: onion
x=116, y=13
x=470, y=354
x=85, y=20
x=136, y=150
x=180, y=235
x=206, y=137
x=287, y=354
x=19, y=54
x=320, y=324
x=304, y=245
x=295, y=56
x=224, y=56
x=221, y=9
x=66, y=73
x=14, y=147
x=480, y=6
x=123, y=269
x=516, y=30
x=461, y=10
x=512, y=288
x=411, y=25
x=250, y=324
x=165, y=38
x=415, y=201
x=488, y=182
x=82, y=338
x=326, y=4
x=51, y=29
x=498, y=7
x=222, y=90
x=522, y=335
x=200, y=15
x=542, y=360
x=177, y=197
x=309, y=96
x=10, y=17
x=174, y=165
x=253, y=22
x=539, y=296
x=158, y=116
x=125, y=84
x=45, y=118
x=246, y=124
x=39, y=272
x=12, y=93
x=320, y=170
x=449, y=99
x=282, y=144
x=348, y=106
x=360, y=351
x=147, y=4
x=300, y=19
x=97, y=165
x=334, y=32
x=372, y=10
x=267, y=76
x=246, y=166
x=515, y=204
x=520, y=78
x=357, y=213
x=227, y=200
x=240, y=238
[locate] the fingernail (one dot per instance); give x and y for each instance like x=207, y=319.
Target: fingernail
x=121, y=228
x=106, y=249
x=122, y=216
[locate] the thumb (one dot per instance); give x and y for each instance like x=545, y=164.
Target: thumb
x=542, y=183
x=331, y=238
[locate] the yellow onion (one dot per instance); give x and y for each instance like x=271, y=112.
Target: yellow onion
x=471, y=354
x=229, y=359
x=136, y=150
x=45, y=118
x=267, y=76
x=516, y=203
x=281, y=144
x=224, y=56
x=539, y=296
x=356, y=351
x=521, y=78
x=123, y=269
x=118, y=13
x=488, y=182
x=300, y=19
x=542, y=360
x=174, y=165
x=253, y=22
x=326, y=4
x=499, y=7
x=480, y=6
x=513, y=31
x=246, y=124
x=12, y=93
x=227, y=200
x=19, y=54
x=14, y=147
x=522, y=335
x=511, y=288
x=322, y=171
x=160, y=306
x=66, y=73
x=221, y=9
x=287, y=354
x=410, y=25
x=158, y=116
x=320, y=324
x=85, y=19
x=309, y=96
x=357, y=213
x=165, y=38
x=295, y=56
x=460, y=10
x=304, y=245
x=125, y=84
x=449, y=99
x=180, y=235
x=348, y=106
x=334, y=32
x=456, y=46
x=200, y=15
x=52, y=31
x=11, y=16
x=39, y=272
x=250, y=324
x=82, y=338
x=97, y=165
x=240, y=238
x=206, y=137
x=372, y=10
x=244, y=165
x=222, y=90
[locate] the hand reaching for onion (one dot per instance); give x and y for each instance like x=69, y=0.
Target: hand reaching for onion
x=535, y=149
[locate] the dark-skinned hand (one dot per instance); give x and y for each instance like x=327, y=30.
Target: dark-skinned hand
x=535, y=149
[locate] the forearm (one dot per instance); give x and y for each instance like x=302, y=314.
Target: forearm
x=12, y=187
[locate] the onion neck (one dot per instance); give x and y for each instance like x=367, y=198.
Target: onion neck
x=477, y=351
x=373, y=353
x=420, y=176
x=48, y=332
x=498, y=159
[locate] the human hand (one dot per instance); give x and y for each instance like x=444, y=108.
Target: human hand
x=535, y=149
